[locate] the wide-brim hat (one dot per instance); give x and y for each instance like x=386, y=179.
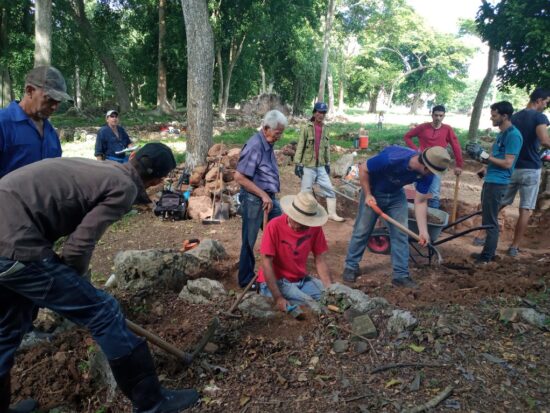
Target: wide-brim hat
x=304, y=209
x=436, y=159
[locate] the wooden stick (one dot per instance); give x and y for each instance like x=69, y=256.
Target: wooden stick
x=240, y=297
x=357, y=335
x=430, y=404
x=265, y=220
x=455, y=199
x=401, y=365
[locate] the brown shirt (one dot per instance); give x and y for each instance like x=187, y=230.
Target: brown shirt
x=73, y=197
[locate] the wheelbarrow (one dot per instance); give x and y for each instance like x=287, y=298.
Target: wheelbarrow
x=379, y=240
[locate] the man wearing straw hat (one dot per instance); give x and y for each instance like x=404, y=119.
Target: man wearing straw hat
x=286, y=244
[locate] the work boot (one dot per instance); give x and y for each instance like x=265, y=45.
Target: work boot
x=405, y=282
x=24, y=406
x=349, y=275
x=331, y=209
x=135, y=375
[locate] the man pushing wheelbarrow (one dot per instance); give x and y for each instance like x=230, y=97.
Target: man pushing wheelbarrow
x=382, y=180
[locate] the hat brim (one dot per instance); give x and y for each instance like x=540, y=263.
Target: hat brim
x=430, y=168
x=318, y=220
x=58, y=95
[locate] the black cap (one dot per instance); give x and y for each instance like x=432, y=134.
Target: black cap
x=161, y=159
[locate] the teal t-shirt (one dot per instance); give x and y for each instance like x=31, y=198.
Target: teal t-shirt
x=508, y=142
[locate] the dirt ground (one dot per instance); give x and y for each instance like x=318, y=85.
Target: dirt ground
x=289, y=365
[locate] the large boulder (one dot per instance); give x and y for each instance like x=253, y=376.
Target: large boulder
x=199, y=207
x=257, y=306
x=340, y=167
x=202, y=291
x=350, y=298
x=209, y=250
x=137, y=269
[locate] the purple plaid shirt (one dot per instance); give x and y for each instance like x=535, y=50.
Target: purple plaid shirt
x=259, y=164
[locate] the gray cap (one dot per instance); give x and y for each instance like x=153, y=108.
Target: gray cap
x=50, y=80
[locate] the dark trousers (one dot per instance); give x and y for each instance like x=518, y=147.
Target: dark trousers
x=253, y=215
x=491, y=199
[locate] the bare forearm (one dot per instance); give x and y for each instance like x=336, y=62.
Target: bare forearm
x=270, y=279
x=323, y=270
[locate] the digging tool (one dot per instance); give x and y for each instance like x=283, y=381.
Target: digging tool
x=229, y=312
x=187, y=358
x=221, y=209
x=403, y=228
x=455, y=199
x=211, y=220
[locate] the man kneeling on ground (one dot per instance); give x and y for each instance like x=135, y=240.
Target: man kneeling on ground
x=286, y=244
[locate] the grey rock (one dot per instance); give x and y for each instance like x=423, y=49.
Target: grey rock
x=102, y=374
x=257, y=306
x=340, y=346
x=340, y=167
x=137, y=269
x=360, y=347
x=34, y=338
x=364, y=326
x=209, y=250
x=528, y=315
x=202, y=291
x=400, y=321
x=346, y=297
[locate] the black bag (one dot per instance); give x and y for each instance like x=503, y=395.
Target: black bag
x=171, y=205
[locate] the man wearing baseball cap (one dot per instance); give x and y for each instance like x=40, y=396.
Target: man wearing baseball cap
x=112, y=140
x=78, y=199
x=286, y=244
x=26, y=135
x=382, y=180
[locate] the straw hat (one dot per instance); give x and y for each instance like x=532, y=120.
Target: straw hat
x=436, y=159
x=304, y=209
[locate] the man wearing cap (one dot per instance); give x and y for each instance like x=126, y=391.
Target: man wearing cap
x=112, y=140
x=26, y=135
x=286, y=244
x=382, y=180
x=436, y=133
x=258, y=174
x=77, y=198
x=312, y=159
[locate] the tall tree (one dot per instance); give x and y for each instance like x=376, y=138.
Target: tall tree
x=163, y=106
x=6, y=95
x=326, y=48
x=43, y=33
x=200, y=54
x=104, y=53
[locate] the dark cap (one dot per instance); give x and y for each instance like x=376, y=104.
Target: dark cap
x=50, y=80
x=320, y=107
x=160, y=159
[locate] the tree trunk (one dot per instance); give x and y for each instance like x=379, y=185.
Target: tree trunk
x=373, y=101
x=326, y=48
x=43, y=33
x=330, y=85
x=104, y=54
x=416, y=103
x=234, y=53
x=220, y=76
x=492, y=66
x=163, y=106
x=6, y=95
x=262, y=73
x=77, y=88
x=200, y=68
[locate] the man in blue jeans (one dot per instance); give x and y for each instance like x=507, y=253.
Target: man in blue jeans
x=501, y=162
x=258, y=174
x=382, y=180
x=286, y=244
x=77, y=198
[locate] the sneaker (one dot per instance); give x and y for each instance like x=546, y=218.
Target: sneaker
x=479, y=242
x=405, y=282
x=479, y=260
x=513, y=251
x=349, y=275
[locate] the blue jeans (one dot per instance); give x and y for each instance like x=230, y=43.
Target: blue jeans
x=435, y=190
x=492, y=196
x=395, y=205
x=54, y=285
x=117, y=159
x=253, y=216
x=317, y=175
x=300, y=292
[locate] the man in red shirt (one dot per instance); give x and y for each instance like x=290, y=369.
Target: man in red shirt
x=286, y=244
x=436, y=133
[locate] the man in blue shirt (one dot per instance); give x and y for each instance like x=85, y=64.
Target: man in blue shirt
x=382, y=180
x=26, y=135
x=500, y=165
x=533, y=125
x=112, y=140
x=258, y=174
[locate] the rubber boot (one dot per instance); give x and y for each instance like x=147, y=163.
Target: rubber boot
x=135, y=375
x=331, y=208
x=24, y=406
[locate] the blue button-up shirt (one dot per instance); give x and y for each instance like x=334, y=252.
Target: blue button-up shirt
x=20, y=142
x=259, y=164
x=107, y=143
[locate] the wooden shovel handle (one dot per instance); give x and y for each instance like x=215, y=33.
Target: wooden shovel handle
x=455, y=199
x=392, y=221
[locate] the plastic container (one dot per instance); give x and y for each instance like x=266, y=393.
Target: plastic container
x=363, y=141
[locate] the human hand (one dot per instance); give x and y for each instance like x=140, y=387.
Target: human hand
x=481, y=173
x=458, y=171
x=299, y=170
x=370, y=200
x=424, y=239
x=327, y=168
x=474, y=149
x=267, y=202
x=281, y=304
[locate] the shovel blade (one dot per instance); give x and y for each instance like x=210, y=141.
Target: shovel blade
x=221, y=211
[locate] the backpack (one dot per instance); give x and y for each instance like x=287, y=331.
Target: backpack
x=171, y=205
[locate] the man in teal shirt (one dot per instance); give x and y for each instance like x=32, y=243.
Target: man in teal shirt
x=500, y=165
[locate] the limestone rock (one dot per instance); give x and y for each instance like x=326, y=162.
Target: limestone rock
x=209, y=250
x=345, y=297
x=340, y=167
x=528, y=315
x=101, y=373
x=400, y=321
x=257, y=306
x=364, y=326
x=202, y=291
x=340, y=346
x=199, y=207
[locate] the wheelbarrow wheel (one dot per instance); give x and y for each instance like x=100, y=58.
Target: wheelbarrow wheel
x=379, y=244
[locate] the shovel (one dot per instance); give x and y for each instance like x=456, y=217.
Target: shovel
x=221, y=209
x=403, y=228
